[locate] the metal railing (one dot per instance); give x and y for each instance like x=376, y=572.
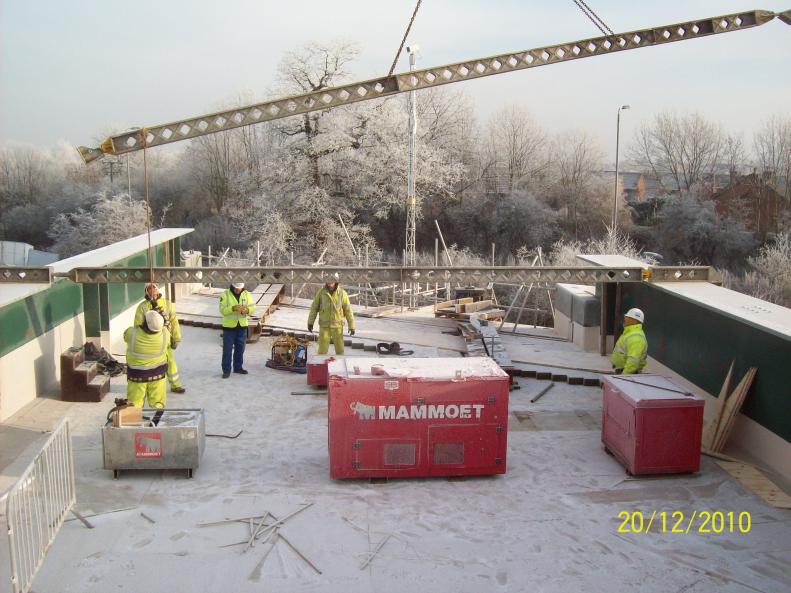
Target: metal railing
x=37, y=506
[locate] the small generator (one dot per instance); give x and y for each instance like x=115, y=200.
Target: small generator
x=289, y=354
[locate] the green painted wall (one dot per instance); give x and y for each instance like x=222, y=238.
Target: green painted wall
x=91, y=304
x=123, y=296
x=700, y=343
x=27, y=319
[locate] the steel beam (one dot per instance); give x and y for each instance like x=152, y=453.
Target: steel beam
x=463, y=275
x=21, y=275
x=347, y=94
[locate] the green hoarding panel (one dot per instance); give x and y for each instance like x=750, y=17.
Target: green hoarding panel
x=699, y=343
x=123, y=296
x=26, y=319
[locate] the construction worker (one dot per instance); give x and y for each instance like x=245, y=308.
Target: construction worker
x=147, y=361
x=332, y=306
x=155, y=301
x=235, y=305
x=631, y=350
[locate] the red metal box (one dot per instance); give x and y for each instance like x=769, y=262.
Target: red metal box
x=317, y=369
x=417, y=417
x=651, y=424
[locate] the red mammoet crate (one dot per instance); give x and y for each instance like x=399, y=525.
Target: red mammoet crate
x=651, y=424
x=317, y=369
x=417, y=417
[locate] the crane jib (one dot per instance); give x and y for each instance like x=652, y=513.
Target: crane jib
x=420, y=79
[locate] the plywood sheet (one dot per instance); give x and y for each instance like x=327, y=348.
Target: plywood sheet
x=756, y=482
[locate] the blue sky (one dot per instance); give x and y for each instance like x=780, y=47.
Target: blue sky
x=74, y=71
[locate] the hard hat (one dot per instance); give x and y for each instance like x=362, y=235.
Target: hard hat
x=238, y=285
x=154, y=321
x=636, y=314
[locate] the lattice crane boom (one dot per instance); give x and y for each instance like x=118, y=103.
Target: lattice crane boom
x=376, y=88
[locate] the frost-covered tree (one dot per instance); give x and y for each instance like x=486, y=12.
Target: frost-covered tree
x=683, y=148
x=772, y=147
x=689, y=230
x=575, y=186
x=516, y=148
x=111, y=219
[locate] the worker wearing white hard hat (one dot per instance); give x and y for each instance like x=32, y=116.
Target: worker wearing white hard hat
x=631, y=350
x=332, y=306
x=147, y=361
x=236, y=304
x=155, y=301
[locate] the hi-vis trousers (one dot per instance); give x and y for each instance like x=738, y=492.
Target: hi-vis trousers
x=173, y=371
x=154, y=391
x=327, y=334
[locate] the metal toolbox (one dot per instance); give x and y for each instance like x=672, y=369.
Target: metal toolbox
x=417, y=417
x=651, y=424
x=176, y=442
x=317, y=369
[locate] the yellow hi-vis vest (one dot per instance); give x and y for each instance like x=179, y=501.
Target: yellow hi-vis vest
x=631, y=350
x=332, y=308
x=168, y=311
x=146, y=354
x=231, y=318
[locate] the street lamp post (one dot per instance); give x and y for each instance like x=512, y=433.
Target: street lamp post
x=615, y=191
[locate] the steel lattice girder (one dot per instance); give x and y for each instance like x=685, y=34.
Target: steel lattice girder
x=428, y=275
x=421, y=79
x=17, y=275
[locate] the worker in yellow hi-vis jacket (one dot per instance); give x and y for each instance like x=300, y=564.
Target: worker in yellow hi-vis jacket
x=147, y=361
x=630, y=354
x=154, y=301
x=332, y=306
x=236, y=304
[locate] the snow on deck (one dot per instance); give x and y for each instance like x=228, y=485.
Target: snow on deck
x=549, y=524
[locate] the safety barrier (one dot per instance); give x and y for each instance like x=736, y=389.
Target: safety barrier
x=37, y=505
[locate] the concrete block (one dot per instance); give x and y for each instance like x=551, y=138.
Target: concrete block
x=585, y=310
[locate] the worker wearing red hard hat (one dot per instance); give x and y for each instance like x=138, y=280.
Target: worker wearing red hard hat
x=631, y=350
x=332, y=306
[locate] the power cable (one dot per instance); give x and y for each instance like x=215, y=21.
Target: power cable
x=403, y=41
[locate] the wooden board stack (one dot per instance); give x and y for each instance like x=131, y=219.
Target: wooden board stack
x=465, y=308
x=716, y=434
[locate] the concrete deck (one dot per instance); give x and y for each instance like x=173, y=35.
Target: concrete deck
x=549, y=524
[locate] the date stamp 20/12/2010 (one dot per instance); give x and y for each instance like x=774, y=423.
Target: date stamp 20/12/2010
x=684, y=522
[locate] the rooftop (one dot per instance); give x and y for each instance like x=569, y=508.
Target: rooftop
x=551, y=523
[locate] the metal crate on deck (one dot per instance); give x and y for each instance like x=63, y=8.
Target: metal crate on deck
x=176, y=442
x=651, y=424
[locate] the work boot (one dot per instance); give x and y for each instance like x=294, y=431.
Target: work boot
x=178, y=389
x=226, y=375
x=240, y=371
